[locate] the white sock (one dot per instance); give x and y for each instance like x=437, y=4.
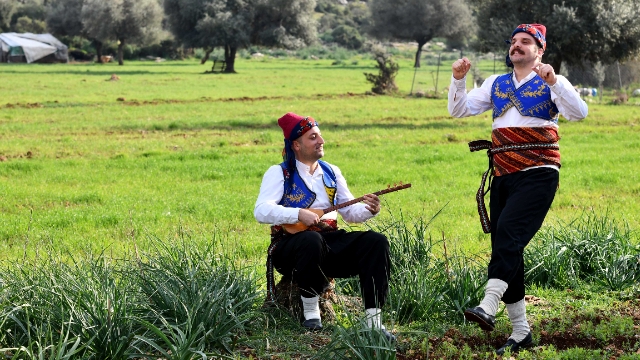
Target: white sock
x=518, y=316
x=374, y=318
x=310, y=307
x=492, y=295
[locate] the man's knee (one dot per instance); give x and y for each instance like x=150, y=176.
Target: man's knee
x=310, y=242
x=378, y=240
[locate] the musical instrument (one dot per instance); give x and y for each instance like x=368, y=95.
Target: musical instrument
x=300, y=226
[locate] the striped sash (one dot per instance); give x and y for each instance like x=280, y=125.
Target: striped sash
x=513, y=149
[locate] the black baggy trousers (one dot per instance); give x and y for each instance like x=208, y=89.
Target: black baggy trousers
x=519, y=203
x=311, y=257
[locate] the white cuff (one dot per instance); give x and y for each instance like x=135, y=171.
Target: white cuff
x=557, y=88
x=460, y=84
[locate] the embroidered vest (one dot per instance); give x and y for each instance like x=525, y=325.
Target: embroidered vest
x=298, y=195
x=533, y=98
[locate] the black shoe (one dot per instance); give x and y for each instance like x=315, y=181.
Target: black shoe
x=516, y=346
x=312, y=324
x=477, y=315
x=389, y=336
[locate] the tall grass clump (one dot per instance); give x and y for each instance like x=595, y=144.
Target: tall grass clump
x=414, y=287
x=426, y=282
x=87, y=299
x=352, y=339
x=592, y=248
x=463, y=284
x=198, y=299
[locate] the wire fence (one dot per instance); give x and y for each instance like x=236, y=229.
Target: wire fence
x=434, y=75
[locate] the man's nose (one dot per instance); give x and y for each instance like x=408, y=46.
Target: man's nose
x=320, y=139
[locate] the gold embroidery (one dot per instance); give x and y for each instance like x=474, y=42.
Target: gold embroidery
x=534, y=110
x=506, y=107
x=500, y=94
x=331, y=192
x=529, y=93
x=540, y=107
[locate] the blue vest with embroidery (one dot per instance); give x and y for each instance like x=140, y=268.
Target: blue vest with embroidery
x=533, y=98
x=298, y=195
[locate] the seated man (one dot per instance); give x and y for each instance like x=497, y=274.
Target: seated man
x=322, y=251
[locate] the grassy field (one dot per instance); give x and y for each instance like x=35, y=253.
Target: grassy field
x=91, y=164
x=84, y=170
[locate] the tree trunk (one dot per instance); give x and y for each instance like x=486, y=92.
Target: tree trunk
x=120, y=52
x=206, y=56
x=98, y=45
x=230, y=58
x=421, y=43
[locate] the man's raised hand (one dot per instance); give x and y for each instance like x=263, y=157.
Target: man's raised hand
x=546, y=72
x=461, y=68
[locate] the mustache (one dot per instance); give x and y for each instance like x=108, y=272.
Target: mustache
x=517, y=51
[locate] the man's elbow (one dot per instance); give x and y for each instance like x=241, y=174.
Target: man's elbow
x=579, y=117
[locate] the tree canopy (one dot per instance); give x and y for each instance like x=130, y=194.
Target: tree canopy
x=64, y=17
x=577, y=30
x=235, y=24
x=420, y=20
x=135, y=21
x=6, y=11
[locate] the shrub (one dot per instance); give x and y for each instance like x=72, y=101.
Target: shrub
x=384, y=81
x=620, y=98
x=348, y=37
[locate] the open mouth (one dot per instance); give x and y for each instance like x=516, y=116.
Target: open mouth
x=516, y=51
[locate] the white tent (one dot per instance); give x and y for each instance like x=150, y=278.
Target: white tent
x=31, y=47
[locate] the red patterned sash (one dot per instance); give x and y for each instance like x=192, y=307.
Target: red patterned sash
x=518, y=148
x=513, y=149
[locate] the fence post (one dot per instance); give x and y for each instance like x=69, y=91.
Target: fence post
x=619, y=76
x=494, y=63
x=437, y=73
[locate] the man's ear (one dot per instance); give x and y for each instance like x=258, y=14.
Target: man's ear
x=295, y=145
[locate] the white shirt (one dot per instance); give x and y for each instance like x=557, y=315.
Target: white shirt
x=477, y=101
x=267, y=210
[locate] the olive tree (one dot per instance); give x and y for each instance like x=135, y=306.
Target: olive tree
x=6, y=11
x=236, y=24
x=134, y=21
x=64, y=19
x=420, y=20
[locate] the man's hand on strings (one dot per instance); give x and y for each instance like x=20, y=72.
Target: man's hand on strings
x=460, y=68
x=372, y=203
x=308, y=217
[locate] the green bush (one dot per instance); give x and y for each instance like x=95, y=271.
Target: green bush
x=348, y=37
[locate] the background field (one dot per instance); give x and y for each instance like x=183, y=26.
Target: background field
x=187, y=149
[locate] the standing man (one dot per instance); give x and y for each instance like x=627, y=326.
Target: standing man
x=301, y=182
x=524, y=166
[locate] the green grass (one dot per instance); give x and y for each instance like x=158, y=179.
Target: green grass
x=88, y=177
x=186, y=149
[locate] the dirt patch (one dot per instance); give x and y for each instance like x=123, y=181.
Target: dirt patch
x=34, y=105
x=134, y=102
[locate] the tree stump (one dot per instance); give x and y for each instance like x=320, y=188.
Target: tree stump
x=288, y=297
